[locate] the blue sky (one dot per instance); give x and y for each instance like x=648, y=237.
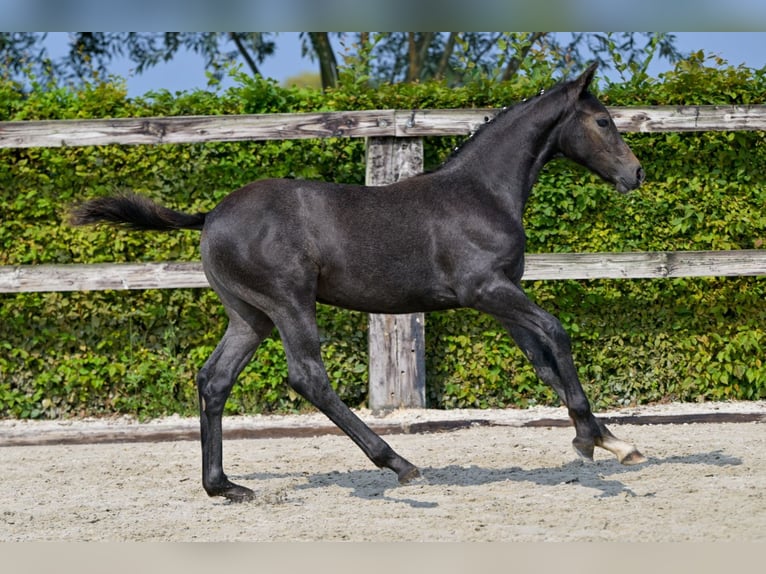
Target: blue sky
x=186, y=71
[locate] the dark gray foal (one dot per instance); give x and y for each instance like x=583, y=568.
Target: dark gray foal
x=446, y=239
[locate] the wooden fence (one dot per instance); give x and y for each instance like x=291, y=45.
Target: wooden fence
x=394, y=151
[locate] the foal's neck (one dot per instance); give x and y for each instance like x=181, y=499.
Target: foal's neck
x=506, y=156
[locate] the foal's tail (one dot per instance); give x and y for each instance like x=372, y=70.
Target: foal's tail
x=135, y=212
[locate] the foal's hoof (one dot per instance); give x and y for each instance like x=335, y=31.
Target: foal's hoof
x=410, y=476
x=633, y=457
x=584, y=449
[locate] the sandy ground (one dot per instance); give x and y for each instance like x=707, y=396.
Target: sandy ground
x=499, y=481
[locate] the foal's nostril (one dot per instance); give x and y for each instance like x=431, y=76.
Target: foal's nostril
x=640, y=175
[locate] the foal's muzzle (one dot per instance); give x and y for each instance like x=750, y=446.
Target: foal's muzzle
x=627, y=183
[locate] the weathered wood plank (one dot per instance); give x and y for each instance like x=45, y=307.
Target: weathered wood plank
x=196, y=129
x=367, y=123
x=539, y=266
x=396, y=354
x=689, y=118
x=396, y=342
x=645, y=265
x=101, y=277
x=627, y=119
x=420, y=123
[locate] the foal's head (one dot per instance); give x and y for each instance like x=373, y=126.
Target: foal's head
x=589, y=137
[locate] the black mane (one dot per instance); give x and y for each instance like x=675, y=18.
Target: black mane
x=478, y=131
x=503, y=113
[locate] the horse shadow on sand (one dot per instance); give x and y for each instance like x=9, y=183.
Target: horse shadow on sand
x=602, y=476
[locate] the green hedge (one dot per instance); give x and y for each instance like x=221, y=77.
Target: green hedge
x=635, y=341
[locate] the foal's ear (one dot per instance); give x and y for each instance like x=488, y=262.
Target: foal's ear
x=580, y=85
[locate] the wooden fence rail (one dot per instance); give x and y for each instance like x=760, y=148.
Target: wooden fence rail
x=373, y=123
x=397, y=376
x=539, y=267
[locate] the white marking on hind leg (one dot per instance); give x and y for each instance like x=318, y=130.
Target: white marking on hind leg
x=626, y=453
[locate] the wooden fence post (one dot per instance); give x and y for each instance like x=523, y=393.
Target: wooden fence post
x=396, y=342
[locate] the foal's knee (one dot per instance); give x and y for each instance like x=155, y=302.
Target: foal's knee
x=212, y=398
x=557, y=334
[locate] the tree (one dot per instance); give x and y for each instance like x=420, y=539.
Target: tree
x=19, y=50
x=454, y=57
x=91, y=52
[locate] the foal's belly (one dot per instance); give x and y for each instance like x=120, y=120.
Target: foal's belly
x=391, y=294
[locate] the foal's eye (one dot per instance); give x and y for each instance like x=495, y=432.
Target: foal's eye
x=602, y=122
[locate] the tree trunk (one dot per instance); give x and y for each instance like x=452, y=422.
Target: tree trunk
x=417, y=53
x=328, y=65
x=446, y=55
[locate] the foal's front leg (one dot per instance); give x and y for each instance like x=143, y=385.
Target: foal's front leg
x=546, y=344
x=550, y=367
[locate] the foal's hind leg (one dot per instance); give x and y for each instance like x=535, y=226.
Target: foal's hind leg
x=215, y=380
x=307, y=375
x=546, y=344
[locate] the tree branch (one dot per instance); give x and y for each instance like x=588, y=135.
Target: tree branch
x=449, y=47
x=245, y=53
x=515, y=63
